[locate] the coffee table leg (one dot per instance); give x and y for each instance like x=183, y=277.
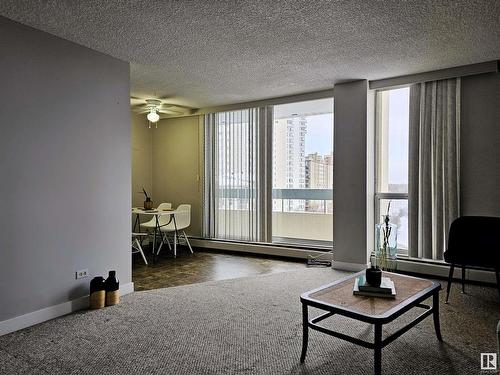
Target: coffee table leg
x=305, y=332
x=378, y=349
x=435, y=314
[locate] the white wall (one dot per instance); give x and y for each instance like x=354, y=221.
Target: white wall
x=303, y=225
x=64, y=167
x=480, y=145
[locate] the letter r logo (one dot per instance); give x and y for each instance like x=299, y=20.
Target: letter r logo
x=488, y=361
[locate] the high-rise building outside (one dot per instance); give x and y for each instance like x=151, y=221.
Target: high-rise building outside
x=319, y=175
x=289, y=151
x=319, y=171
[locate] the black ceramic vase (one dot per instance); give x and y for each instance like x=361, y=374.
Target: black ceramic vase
x=97, y=293
x=374, y=276
x=112, y=289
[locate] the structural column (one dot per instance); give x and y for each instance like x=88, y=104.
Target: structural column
x=353, y=175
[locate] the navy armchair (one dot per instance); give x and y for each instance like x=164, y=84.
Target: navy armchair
x=473, y=241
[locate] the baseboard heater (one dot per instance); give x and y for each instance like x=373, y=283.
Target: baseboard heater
x=319, y=263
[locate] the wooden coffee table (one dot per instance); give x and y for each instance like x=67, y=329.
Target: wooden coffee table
x=337, y=298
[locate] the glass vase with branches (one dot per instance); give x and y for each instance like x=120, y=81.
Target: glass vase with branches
x=386, y=243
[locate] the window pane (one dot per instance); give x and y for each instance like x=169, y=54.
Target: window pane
x=398, y=214
x=303, y=172
x=392, y=134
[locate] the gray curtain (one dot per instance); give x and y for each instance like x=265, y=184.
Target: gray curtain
x=434, y=186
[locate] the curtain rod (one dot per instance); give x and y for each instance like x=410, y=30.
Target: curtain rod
x=458, y=71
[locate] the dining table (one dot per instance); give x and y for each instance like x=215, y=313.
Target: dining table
x=138, y=211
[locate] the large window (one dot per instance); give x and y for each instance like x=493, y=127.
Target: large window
x=269, y=174
x=392, y=129
x=303, y=172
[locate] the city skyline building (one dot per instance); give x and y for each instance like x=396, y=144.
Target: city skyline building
x=319, y=175
x=319, y=171
x=289, y=159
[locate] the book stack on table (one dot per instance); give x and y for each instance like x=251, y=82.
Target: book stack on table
x=385, y=290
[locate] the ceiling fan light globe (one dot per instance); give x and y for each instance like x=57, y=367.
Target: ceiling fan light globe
x=153, y=116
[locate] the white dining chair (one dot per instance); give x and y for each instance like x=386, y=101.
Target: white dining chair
x=150, y=225
x=181, y=221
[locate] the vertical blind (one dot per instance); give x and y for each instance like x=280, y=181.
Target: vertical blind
x=233, y=195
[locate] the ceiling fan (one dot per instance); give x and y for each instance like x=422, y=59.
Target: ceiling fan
x=156, y=109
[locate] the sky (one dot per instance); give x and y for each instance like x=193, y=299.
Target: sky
x=319, y=137
x=319, y=115
x=398, y=135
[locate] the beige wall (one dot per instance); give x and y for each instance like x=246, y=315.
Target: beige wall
x=142, y=163
x=176, y=166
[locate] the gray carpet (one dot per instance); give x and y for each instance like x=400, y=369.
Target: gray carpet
x=244, y=326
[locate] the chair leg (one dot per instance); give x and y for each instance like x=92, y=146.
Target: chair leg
x=450, y=277
x=175, y=244
x=159, y=248
x=187, y=241
x=497, y=273
x=164, y=239
x=168, y=242
x=139, y=247
x=463, y=278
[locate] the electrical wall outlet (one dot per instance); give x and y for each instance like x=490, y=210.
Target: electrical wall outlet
x=82, y=274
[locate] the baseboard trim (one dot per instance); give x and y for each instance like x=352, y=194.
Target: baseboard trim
x=442, y=270
x=126, y=288
x=346, y=266
x=51, y=312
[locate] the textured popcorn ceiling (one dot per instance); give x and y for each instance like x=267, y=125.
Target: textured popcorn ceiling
x=204, y=53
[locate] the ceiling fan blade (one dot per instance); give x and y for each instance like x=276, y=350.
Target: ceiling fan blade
x=137, y=101
x=175, y=107
x=139, y=107
x=183, y=107
x=166, y=103
x=169, y=111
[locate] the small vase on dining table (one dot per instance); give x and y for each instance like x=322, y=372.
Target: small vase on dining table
x=148, y=204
